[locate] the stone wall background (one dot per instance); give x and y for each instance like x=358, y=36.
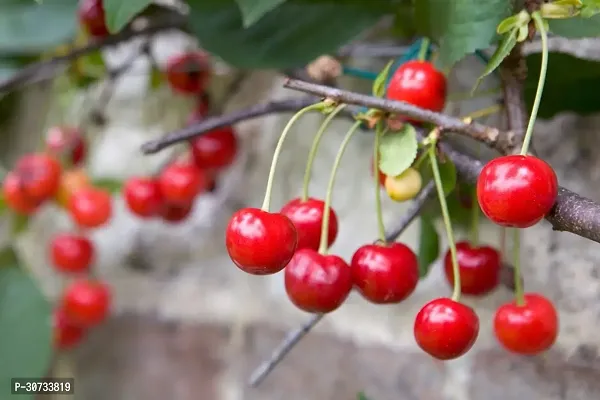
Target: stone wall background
x=191, y=326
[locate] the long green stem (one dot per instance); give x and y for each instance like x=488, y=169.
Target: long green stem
x=519, y=295
x=267, y=201
x=379, y=131
x=423, y=50
x=446, y=217
x=474, y=220
x=323, y=245
x=539, y=24
x=315, y=147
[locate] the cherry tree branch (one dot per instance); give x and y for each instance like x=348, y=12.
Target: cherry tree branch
x=493, y=137
x=168, y=19
x=513, y=72
x=571, y=213
x=294, y=336
x=208, y=124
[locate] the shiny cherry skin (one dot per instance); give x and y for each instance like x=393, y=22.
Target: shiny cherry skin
x=66, y=143
x=317, y=283
x=259, y=242
x=215, y=149
x=66, y=334
x=420, y=84
x=181, y=182
x=176, y=213
x=385, y=274
x=446, y=329
x=529, y=329
x=517, y=191
x=143, y=196
x=91, y=17
x=188, y=73
x=86, y=302
x=307, y=217
x=90, y=207
x=71, y=253
x=40, y=176
x=15, y=196
x=479, y=268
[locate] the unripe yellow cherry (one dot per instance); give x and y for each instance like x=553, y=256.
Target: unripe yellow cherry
x=404, y=186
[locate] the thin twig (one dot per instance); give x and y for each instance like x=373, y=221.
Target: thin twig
x=43, y=69
x=294, y=337
x=208, y=124
x=493, y=137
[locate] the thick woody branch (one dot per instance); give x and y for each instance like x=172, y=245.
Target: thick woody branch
x=493, y=137
x=513, y=72
x=571, y=213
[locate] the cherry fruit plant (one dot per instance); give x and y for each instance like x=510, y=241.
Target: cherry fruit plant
x=412, y=158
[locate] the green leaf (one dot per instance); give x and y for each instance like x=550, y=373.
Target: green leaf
x=571, y=85
x=429, y=245
x=379, y=83
x=118, y=13
x=461, y=26
x=398, y=150
x=577, y=27
x=361, y=396
x=27, y=27
x=25, y=318
x=20, y=223
x=291, y=35
x=253, y=10
x=507, y=43
x=448, y=175
x=108, y=184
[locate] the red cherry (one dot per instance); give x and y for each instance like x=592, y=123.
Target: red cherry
x=385, y=274
x=176, y=213
x=188, y=73
x=71, y=253
x=91, y=17
x=90, y=207
x=479, y=268
x=517, y=191
x=307, y=217
x=529, y=329
x=201, y=110
x=215, y=149
x=143, y=196
x=66, y=334
x=181, y=182
x=86, y=303
x=420, y=84
x=40, y=176
x=446, y=329
x=16, y=197
x=62, y=141
x=259, y=242
x=317, y=283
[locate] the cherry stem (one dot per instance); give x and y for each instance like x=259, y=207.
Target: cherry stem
x=267, y=201
x=379, y=131
x=446, y=217
x=423, y=49
x=519, y=295
x=315, y=147
x=323, y=245
x=539, y=23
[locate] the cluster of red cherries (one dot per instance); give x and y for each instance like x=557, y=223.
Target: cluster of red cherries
x=513, y=191
x=39, y=178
